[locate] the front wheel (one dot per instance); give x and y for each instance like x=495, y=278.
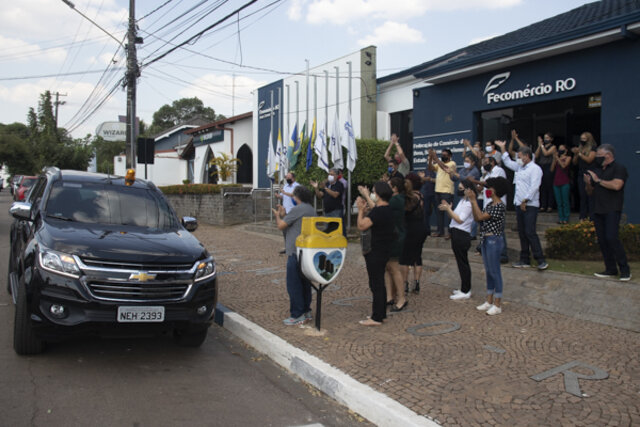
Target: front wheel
x=25, y=341
x=190, y=337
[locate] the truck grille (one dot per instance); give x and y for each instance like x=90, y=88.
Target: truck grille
x=127, y=282
x=138, y=291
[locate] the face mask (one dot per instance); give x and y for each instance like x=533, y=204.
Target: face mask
x=487, y=167
x=390, y=169
x=461, y=193
x=547, y=141
x=488, y=148
x=294, y=202
x=445, y=159
x=289, y=181
x=599, y=161
x=467, y=165
x=373, y=197
x=519, y=161
x=331, y=178
x=489, y=193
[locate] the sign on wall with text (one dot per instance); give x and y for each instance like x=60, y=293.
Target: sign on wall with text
x=438, y=142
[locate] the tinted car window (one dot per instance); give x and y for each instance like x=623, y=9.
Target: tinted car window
x=28, y=182
x=109, y=204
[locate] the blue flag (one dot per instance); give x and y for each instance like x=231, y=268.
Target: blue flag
x=312, y=142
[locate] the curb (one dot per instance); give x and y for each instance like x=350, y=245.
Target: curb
x=360, y=398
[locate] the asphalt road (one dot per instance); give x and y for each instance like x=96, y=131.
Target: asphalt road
x=149, y=382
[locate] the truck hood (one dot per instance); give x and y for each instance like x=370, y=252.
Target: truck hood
x=121, y=242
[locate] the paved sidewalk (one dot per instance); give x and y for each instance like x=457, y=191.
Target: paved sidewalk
x=478, y=373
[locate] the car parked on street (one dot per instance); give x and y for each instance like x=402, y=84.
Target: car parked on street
x=13, y=183
x=23, y=187
x=100, y=254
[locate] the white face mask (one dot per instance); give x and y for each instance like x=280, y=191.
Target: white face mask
x=373, y=197
x=519, y=161
x=331, y=178
x=467, y=165
x=488, y=149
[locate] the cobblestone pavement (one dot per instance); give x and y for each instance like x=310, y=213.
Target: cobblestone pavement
x=479, y=373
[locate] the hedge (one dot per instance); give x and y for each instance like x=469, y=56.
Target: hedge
x=369, y=167
x=196, y=188
x=578, y=241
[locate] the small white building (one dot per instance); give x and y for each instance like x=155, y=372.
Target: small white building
x=182, y=154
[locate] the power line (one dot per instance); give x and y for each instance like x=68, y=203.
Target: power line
x=44, y=76
x=154, y=10
x=195, y=37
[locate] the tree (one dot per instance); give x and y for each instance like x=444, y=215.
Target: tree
x=105, y=152
x=180, y=112
x=26, y=149
x=225, y=166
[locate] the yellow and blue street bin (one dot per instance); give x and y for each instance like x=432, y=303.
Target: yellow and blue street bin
x=321, y=250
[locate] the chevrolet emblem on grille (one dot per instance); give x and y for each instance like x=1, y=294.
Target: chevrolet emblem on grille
x=142, y=276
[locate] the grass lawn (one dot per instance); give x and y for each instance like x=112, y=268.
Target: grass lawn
x=587, y=267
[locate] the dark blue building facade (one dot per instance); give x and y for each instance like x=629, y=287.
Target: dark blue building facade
x=596, y=89
x=269, y=99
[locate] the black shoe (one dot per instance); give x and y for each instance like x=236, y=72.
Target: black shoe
x=406, y=288
x=605, y=274
x=416, y=289
x=392, y=302
x=395, y=308
x=282, y=252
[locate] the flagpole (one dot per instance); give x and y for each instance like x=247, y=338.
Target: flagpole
x=307, y=115
x=271, y=179
x=337, y=92
x=326, y=104
x=348, y=154
x=315, y=117
x=297, y=103
x=288, y=120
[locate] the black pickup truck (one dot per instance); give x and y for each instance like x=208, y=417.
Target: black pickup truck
x=100, y=254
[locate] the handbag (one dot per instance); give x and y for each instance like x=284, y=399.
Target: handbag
x=365, y=241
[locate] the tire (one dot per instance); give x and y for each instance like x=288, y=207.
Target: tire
x=25, y=342
x=190, y=337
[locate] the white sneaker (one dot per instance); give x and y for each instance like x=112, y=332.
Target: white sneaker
x=456, y=291
x=461, y=295
x=484, y=307
x=494, y=310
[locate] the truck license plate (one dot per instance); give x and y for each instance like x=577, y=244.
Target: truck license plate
x=128, y=314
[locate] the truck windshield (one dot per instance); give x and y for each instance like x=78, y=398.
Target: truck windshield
x=109, y=204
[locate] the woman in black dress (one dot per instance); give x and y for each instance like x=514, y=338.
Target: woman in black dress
x=380, y=221
x=415, y=234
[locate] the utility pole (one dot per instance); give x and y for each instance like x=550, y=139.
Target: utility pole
x=56, y=103
x=133, y=72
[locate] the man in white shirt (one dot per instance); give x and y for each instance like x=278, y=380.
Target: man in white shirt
x=527, y=179
x=286, y=195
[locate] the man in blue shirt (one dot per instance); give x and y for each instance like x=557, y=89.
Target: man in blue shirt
x=527, y=179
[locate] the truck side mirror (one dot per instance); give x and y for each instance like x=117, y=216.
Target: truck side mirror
x=190, y=223
x=21, y=210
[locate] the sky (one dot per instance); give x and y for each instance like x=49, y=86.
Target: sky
x=46, y=45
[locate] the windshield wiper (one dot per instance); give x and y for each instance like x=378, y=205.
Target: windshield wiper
x=61, y=217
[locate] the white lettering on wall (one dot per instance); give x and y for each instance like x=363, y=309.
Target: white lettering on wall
x=562, y=85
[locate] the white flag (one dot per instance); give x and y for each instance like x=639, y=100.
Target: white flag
x=349, y=141
x=335, y=148
x=321, y=148
x=272, y=162
x=281, y=157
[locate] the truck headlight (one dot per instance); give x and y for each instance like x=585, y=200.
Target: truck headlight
x=59, y=262
x=205, y=269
